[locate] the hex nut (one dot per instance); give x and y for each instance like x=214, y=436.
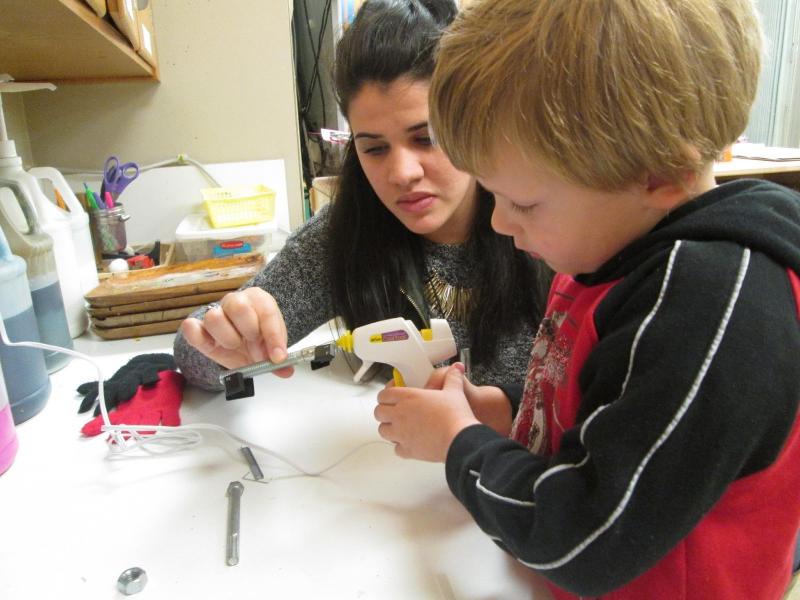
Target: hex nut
x=132, y=581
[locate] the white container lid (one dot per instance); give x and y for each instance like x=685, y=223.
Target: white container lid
x=196, y=226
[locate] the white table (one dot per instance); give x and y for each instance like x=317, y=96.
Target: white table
x=375, y=526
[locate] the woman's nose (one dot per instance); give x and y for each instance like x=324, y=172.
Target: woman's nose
x=405, y=168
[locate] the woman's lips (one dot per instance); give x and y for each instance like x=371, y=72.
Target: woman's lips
x=416, y=202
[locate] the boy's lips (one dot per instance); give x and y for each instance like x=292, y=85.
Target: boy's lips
x=415, y=201
x=531, y=253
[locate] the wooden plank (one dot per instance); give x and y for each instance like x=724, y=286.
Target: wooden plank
x=102, y=312
x=143, y=318
x=176, y=280
x=121, y=333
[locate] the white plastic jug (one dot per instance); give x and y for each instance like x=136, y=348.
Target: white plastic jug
x=27, y=240
x=56, y=224
x=79, y=221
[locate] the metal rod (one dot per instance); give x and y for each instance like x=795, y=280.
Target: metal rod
x=266, y=366
x=258, y=475
x=235, y=491
x=465, y=357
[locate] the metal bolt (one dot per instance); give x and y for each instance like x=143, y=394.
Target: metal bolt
x=132, y=581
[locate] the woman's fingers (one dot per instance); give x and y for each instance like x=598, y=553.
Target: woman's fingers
x=271, y=326
x=256, y=316
x=198, y=337
x=240, y=310
x=220, y=327
x=247, y=326
x=251, y=319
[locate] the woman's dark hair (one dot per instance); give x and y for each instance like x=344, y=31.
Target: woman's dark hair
x=389, y=39
x=377, y=266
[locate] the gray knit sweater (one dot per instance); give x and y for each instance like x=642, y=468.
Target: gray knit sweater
x=297, y=278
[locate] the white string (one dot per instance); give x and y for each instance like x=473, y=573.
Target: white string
x=126, y=439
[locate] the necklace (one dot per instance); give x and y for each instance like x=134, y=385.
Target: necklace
x=450, y=300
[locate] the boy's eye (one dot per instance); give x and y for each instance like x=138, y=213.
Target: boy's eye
x=519, y=208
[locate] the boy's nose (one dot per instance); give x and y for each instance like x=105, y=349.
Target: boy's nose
x=501, y=222
x=405, y=168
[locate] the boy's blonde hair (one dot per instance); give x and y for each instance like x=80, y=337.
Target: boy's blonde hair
x=606, y=91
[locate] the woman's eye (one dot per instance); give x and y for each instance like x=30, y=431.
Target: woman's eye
x=425, y=140
x=374, y=150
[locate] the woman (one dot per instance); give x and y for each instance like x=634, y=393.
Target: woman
x=406, y=234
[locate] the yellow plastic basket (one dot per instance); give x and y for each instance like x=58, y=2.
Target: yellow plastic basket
x=239, y=205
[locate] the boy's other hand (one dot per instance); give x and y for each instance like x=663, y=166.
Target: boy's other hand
x=245, y=327
x=423, y=423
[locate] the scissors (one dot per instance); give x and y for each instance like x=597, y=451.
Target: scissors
x=116, y=176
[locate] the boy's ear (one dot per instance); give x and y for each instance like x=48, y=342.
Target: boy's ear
x=663, y=194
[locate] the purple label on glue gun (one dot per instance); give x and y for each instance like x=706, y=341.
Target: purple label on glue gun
x=389, y=336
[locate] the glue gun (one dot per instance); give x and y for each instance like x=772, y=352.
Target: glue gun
x=398, y=343
x=395, y=342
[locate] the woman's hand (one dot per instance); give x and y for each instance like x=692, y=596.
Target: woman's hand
x=423, y=423
x=246, y=327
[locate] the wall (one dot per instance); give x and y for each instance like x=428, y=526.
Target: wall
x=773, y=119
x=787, y=121
x=227, y=94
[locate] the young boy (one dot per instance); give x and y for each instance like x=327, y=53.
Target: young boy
x=656, y=449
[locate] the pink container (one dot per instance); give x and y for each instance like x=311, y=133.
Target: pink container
x=8, y=436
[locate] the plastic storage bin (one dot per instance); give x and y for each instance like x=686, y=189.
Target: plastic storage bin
x=196, y=239
x=239, y=205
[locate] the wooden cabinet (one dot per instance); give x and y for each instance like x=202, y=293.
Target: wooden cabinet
x=63, y=41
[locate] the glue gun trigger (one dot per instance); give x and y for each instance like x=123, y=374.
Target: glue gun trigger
x=364, y=368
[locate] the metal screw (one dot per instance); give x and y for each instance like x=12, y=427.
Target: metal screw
x=132, y=581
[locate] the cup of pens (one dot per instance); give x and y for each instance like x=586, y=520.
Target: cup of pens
x=107, y=224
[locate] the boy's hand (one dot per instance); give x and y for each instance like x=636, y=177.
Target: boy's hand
x=246, y=327
x=489, y=403
x=423, y=423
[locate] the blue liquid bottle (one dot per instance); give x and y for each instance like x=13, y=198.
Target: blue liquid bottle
x=26, y=382
x=26, y=240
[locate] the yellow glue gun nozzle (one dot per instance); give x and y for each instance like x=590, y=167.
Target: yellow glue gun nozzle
x=345, y=342
x=398, y=378
x=427, y=334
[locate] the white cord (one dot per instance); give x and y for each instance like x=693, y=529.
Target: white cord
x=181, y=159
x=124, y=439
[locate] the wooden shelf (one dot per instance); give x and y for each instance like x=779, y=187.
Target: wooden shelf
x=64, y=41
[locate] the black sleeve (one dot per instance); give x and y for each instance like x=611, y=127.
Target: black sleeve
x=514, y=394
x=674, y=410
